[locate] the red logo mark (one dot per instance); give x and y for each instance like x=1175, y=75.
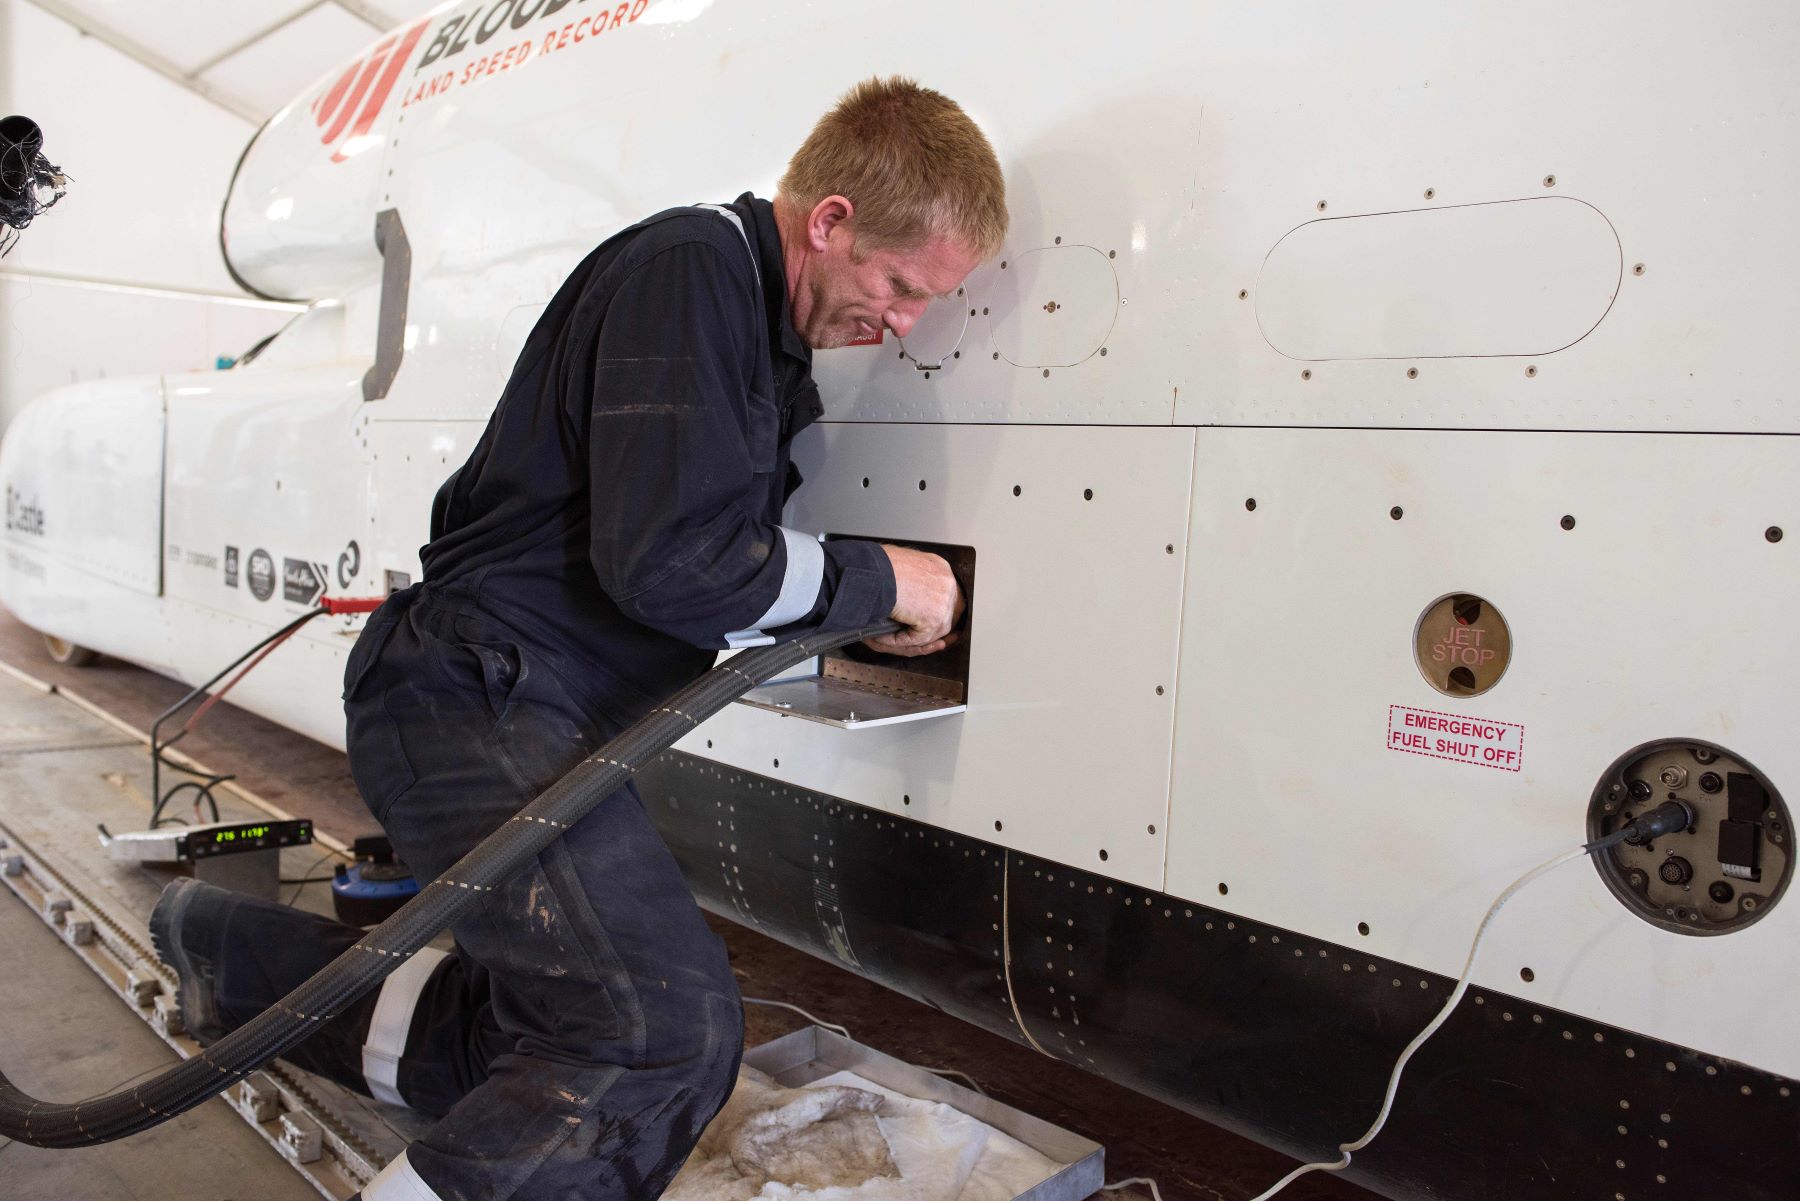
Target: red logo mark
x=365, y=82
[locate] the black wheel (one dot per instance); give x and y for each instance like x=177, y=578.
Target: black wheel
x=67, y=653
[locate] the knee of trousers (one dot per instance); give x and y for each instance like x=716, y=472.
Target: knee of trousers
x=699, y=1025
x=699, y=1039
x=715, y=1032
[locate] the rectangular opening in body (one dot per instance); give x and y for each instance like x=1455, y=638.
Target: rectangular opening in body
x=856, y=687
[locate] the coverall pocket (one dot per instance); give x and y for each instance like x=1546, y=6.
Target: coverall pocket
x=503, y=670
x=475, y=660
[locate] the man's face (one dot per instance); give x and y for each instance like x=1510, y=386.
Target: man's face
x=843, y=298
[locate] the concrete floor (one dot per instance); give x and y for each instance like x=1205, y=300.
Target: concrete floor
x=65, y=1037
x=282, y=767
x=1191, y=1159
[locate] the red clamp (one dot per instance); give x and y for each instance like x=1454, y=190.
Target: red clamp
x=339, y=606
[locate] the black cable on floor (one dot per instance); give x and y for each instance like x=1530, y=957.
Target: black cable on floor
x=492, y=862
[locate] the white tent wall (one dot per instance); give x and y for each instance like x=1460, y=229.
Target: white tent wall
x=124, y=276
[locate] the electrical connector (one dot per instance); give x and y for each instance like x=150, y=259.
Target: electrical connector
x=1670, y=817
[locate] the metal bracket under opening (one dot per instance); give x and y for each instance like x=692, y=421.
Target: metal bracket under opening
x=854, y=696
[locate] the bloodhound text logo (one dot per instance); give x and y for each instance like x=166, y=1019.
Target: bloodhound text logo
x=347, y=109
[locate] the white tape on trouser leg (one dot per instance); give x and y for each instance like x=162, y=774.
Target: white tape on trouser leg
x=398, y=1182
x=392, y=1021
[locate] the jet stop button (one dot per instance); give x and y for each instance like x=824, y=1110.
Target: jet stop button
x=1462, y=645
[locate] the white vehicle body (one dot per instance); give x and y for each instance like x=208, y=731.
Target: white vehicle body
x=1420, y=280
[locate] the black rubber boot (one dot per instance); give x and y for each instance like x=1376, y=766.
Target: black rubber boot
x=236, y=955
x=186, y=928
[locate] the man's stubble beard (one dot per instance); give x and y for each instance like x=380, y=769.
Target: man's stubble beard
x=834, y=341
x=818, y=334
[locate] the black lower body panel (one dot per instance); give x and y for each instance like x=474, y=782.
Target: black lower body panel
x=1279, y=1036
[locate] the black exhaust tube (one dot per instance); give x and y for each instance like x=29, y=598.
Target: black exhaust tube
x=492, y=862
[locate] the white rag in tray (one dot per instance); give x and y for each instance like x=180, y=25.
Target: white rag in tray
x=858, y=1142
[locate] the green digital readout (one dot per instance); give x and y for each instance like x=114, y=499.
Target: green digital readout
x=242, y=832
x=226, y=839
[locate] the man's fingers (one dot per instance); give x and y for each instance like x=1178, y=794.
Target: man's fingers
x=926, y=598
x=895, y=644
x=913, y=652
x=911, y=643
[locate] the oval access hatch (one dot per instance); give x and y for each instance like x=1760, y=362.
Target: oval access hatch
x=1054, y=306
x=1514, y=277
x=934, y=339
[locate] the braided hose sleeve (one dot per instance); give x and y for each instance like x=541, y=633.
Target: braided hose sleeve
x=488, y=865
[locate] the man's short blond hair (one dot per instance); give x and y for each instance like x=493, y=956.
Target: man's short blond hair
x=912, y=163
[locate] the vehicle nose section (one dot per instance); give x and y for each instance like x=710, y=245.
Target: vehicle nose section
x=81, y=471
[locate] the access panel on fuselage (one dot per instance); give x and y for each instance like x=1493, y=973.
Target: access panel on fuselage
x=1078, y=537
x=1324, y=784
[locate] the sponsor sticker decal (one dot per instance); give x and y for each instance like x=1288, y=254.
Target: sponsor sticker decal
x=1460, y=739
x=301, y=582
x=348, y=108
x=231, y=567
x=348, y=564
x=24, y=515
x=464, y=49
x=31, y=569
x=259, y=574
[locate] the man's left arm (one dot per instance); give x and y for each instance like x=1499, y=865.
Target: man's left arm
x=674, y=540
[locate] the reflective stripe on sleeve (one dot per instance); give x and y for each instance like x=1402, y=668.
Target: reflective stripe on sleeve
x=398, y=1182
x=799, y=589
x=389, y=1026
x=800, y=583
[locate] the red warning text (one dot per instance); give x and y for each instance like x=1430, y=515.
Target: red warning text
x=1497, y=744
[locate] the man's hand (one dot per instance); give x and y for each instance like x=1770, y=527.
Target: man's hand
x=927, y=601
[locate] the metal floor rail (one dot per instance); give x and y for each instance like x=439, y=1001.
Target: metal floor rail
x=280, y=1103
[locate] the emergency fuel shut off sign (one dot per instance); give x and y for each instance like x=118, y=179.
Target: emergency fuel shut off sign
x=1497, y=744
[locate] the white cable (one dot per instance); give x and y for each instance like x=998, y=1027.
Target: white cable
x=1431, y=1028
x=843, y=1030
x=953, y=1072
x=1119, y=1184
x=831, y=1026
x=1006, y=949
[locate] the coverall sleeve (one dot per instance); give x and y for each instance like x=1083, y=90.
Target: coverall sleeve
x=675, y=442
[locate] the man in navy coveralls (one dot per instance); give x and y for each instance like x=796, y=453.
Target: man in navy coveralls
x=615, y=527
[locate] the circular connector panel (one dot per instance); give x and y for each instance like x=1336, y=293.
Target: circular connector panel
x=1726, y=870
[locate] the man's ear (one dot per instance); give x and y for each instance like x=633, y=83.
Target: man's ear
x=825, y=219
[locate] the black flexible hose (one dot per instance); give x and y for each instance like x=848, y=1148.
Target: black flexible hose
x=491, y=863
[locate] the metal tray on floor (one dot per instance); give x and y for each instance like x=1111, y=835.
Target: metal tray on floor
x=812, y=1054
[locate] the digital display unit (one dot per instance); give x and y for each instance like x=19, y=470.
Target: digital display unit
x=226, y=838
